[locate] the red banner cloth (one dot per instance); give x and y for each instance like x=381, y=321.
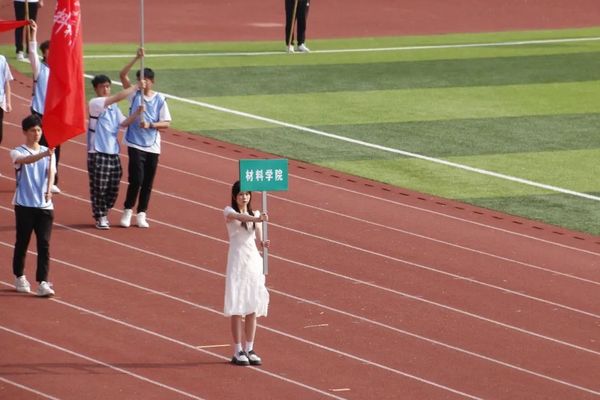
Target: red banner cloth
x=64, y=111
x=10, y=25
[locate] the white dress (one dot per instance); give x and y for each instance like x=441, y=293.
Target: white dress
x=245, y=290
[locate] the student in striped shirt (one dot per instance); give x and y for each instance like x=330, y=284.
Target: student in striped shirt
x=35, y=166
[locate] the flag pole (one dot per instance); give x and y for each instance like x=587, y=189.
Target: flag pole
x=292, y=25
x=142, y=38
x=26, y=33
x=142, y=76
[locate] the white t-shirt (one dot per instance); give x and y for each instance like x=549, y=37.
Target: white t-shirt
x=96, y=107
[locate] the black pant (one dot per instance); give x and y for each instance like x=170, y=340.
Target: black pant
x=301, y=17
x=20, y=15
x=142, y=169
x=28, y=220
x=43, y=142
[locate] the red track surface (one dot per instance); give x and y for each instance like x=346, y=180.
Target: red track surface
x=376, y=293
x=218, y=20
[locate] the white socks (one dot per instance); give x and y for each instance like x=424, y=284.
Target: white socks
x=238, y=348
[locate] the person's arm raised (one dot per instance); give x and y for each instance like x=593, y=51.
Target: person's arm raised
x=123, y=75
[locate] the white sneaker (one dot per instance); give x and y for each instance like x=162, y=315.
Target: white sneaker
x=290, y=49
x=102, y=223
x=54, y=189
x=21, y=57
x=126, y=218
x=303, y=49
x=45, y=289
x=22, y=285
x=141, y=220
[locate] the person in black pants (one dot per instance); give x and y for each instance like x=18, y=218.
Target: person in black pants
x=149, y=114
x=34, y=212
x=298, y=10
x=20, y=14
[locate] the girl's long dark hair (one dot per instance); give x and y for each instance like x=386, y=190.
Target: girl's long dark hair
x=235, y=190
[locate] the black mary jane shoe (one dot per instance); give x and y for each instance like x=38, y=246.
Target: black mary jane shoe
x=253, y=358
x=240, y=359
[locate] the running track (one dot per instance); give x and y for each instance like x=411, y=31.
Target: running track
x=376, y=293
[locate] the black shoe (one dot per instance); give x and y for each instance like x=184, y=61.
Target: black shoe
x=240, y=359
x=253, y=358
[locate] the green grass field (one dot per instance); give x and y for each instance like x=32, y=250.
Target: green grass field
x=530, y=111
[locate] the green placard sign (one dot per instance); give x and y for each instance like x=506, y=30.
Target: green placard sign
x=264, y=175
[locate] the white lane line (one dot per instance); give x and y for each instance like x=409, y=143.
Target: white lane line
x=355, y=50
x=340, y=390
x=310, y=343
x=96, y=361
x=27, y=388
x=213, y=346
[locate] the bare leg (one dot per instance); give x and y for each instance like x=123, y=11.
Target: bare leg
x=250, y=327
x=239, y=357
x=236, y=328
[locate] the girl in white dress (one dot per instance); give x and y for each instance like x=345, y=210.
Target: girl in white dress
x=246, y=296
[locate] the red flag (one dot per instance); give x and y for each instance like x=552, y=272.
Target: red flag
x=64, y=111
x=9, y=25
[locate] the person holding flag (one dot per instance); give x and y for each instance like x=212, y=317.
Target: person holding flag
x=143, y=140
x=24, y=10
x=41, y=73
x=64, y=107
x=296, y=13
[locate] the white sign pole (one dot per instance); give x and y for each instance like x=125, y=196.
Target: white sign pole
x=265, y=235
